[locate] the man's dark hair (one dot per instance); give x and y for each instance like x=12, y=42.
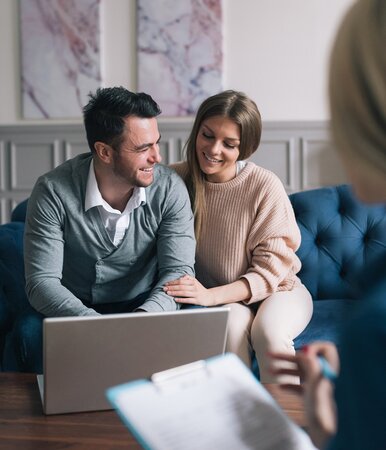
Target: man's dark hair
x=104, y=114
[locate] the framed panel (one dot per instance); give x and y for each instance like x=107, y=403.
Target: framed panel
x=29, y=161
x=5, y=212
x=2, y=167
x=73, y=148
x=60, y=53
x=179, y=52
x=278, y=156
x=179, y=150
x=171, y=150
x=164, y=148
x=320, y=165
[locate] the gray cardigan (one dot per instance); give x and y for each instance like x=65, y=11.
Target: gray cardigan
x=70, y=262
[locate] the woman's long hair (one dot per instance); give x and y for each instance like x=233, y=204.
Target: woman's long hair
x=241, y=110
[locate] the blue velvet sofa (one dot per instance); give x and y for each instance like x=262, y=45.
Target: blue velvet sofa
x=339, y=237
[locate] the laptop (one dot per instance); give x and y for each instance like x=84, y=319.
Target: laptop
x=83, y=356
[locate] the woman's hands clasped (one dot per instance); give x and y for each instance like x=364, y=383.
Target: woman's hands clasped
x=188, y=290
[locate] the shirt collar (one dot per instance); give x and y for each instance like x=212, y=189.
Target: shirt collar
x=94, y=197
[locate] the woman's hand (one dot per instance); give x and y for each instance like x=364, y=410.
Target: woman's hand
x=188, y=290
x=316, y=390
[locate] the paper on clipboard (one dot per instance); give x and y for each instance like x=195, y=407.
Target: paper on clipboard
x=212, y=404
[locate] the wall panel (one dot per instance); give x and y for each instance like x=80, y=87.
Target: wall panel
x=24, y=156
x=300, y=153
x=320, y=164
x=278, y=156
x=2, y=168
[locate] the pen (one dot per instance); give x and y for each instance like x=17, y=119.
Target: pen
x=327, y=371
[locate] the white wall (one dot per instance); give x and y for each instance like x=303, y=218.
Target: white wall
x=275, y=50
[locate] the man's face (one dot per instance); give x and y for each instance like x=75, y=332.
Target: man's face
x=134, y=161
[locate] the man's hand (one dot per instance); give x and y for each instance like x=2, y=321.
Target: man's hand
x=188, y=290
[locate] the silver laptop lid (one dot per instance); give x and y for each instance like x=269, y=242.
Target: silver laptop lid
x=83, y=356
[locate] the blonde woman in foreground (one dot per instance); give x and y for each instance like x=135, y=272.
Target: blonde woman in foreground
x=246, y=235
x=353, y=414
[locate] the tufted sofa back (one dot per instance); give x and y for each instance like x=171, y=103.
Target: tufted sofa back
x=340, y=236
x=20, y=211
x=13, y=299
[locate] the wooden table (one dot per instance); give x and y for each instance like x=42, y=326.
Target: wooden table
x=24, y=426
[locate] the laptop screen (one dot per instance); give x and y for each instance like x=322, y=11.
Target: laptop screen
x=83, y=356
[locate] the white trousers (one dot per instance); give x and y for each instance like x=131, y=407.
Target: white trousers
x=270, y=325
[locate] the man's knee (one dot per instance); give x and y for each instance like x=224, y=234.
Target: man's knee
x=24, y=345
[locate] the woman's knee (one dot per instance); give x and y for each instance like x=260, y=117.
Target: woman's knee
x=265, y=339
x=280, y=318
x=240, y=319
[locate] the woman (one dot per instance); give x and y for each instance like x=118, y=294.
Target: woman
x=352, y=415
x=246, y=235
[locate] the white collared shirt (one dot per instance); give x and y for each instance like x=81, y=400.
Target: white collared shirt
x=240, y=166
x=115, y=222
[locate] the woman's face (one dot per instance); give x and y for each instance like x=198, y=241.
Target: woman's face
x=217, y=148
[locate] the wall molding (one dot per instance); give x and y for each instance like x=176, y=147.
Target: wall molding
x=299, y=152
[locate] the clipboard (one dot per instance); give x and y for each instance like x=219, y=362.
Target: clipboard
x=208, y=405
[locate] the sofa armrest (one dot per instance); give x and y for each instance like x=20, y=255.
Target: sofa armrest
x=20, y=211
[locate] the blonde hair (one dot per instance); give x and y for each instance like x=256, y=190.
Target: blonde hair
x=358, y=85
x=244, y=112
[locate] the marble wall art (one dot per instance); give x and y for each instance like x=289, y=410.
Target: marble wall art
x=179, y=51
x=60, y=48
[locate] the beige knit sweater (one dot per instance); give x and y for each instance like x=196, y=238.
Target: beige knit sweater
x=249, y=232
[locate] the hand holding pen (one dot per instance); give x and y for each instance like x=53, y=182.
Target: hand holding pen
x=317, y=365
x=326, y=355
x=327, y=371
x=319, y=359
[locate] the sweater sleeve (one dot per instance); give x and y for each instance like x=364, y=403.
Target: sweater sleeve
x=43, y=257
x=272, y=243
x=175, y=246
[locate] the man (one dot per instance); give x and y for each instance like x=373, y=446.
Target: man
x=106, y=229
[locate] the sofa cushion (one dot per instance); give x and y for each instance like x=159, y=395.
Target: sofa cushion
x=340, y=236
x=19, y=213
x=12, y=282
x=325, y=325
